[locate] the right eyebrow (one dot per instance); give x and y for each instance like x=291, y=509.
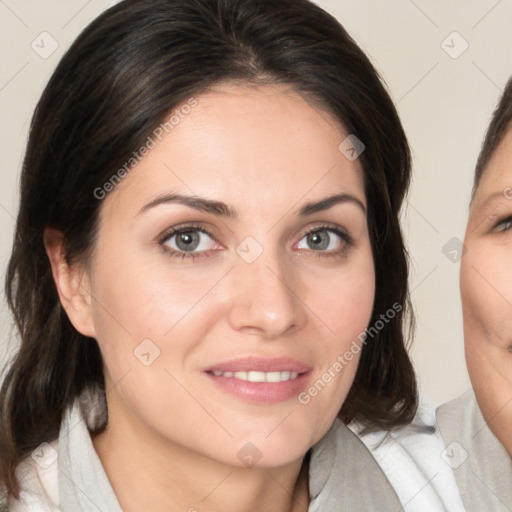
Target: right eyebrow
x=199, y=203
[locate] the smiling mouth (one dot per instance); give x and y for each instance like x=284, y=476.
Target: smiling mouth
x=257, y=376
x=260, y=380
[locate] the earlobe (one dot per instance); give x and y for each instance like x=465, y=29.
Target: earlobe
x=72, y=283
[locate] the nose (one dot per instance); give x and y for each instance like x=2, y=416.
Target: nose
x=263, y=301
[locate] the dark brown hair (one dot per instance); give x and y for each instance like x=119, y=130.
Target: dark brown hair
x=501, y=122
x=114, y=86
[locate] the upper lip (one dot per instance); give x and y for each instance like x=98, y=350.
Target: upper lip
x=260, y=364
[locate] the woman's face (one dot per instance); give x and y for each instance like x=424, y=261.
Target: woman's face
x=486, y=288
x=210, y=336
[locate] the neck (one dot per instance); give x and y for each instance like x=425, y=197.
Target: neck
x=174, y=478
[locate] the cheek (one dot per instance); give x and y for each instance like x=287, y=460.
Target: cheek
x=147, y=290
x=344, y=305
x=136, y=301
x=486, y=294
x=349, y=296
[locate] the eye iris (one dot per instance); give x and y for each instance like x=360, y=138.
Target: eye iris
x=187, y=241
x=318, y=240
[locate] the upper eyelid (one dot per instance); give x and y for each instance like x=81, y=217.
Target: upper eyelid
x=506, y=218
x=337, y=230
x=502, y=221
x=176, y=230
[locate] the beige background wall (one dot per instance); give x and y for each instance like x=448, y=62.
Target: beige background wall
x=444, y=92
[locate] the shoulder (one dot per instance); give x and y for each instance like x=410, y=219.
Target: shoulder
x=481, y=465
x=342, y=470
x=38, y=478
x=411, y=458
x=459, y=413
x=464, y=429
x=38, y=473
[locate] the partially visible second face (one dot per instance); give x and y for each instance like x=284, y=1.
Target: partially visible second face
x=486, y=289
x=243, y=305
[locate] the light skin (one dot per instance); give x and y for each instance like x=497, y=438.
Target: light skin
x=486, y=290
x=173, y=431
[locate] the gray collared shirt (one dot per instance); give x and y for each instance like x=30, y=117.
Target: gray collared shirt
x=347, y=471
x=343, y=473
x=482, y=466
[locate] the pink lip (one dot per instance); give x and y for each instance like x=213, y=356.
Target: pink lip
x=246, y=364
x=261, y=392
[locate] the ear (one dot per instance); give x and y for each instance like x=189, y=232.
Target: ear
x=73, y=284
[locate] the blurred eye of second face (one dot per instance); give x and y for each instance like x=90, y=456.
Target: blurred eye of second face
x=504, y=225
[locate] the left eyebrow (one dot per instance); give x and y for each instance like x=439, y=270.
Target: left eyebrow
x=329, y=202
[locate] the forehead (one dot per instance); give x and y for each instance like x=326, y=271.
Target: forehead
x=246, y=144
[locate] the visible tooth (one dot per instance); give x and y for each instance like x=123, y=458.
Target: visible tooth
x=256, y=376
x=273, y=377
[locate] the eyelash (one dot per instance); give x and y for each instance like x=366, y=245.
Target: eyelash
x=345, y=237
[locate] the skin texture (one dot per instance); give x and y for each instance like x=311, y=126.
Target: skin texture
x=486, y=290
x=265, y=152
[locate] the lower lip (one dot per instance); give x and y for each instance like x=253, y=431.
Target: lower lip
x=262, y=392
